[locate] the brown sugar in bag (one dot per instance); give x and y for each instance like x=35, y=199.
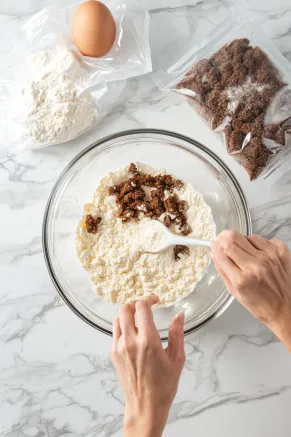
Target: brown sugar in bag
x=239, y=83
x=236, y=85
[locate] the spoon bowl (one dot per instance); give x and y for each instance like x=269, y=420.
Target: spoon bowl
x=169, y=239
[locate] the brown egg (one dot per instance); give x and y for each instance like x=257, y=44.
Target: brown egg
x=94, y=29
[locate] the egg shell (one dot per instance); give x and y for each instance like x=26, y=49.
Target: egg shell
x=93, y=29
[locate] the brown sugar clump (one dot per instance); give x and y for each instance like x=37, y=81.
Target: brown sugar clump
x=185, y=229
x=157, y=206
x=172, y=205
x=133, y=195
x=158, y=192
x=92, y=224
x=255, y=157
x=178, y=184
x=176, y=209
x=182, y=206
x=180, y=250
x=133, y=168
x=113, y=190
x=235, y=141
x=167, y=221
x=275, y=132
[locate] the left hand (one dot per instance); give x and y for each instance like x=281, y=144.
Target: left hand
x=149, y=374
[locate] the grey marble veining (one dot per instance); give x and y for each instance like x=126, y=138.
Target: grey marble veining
x=56, y=378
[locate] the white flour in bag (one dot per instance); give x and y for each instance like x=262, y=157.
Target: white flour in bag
x=52, y=106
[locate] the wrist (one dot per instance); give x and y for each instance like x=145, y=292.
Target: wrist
x=283, y=329
x=285, y=336
x=144, y=422
x=135, y=429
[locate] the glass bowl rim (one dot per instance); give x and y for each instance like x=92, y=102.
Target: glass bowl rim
x=99, y=142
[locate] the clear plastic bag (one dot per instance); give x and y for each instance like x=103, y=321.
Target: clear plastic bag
x=49, y=92
x=238, y=81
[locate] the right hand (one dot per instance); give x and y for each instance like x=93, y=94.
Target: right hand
x=257, y=273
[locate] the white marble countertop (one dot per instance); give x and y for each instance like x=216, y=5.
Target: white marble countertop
x=56, y=378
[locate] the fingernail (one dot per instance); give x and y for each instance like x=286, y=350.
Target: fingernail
x=180, y=317
x=155, y=297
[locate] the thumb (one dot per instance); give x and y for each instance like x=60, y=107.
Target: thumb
x=176, y=339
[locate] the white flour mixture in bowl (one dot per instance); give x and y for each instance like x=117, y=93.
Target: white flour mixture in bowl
x=118, y=228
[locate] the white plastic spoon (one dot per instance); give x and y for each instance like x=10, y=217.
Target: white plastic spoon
x=169, y=239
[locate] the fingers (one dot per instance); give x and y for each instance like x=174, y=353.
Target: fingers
x=223, y=262
x=229, y=238
x=236, y=247
x=280, y=246
x=239, y=256
x=116, y=333
x=222, y=274
x=176, y=339
x=116, y=329
x=259, y=242
x=144, y=315
x=151, y=300
x=126, y=319
x=282, y=251
x=241, y=241
x=125, y=324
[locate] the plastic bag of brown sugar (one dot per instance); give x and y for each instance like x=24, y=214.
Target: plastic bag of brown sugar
x=238, y=82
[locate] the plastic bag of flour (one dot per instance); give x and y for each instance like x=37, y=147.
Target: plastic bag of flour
x=238, y=81
x=49, y=92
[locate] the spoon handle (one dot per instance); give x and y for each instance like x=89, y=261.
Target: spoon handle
x=187, y=241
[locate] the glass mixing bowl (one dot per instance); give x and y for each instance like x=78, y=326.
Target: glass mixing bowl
x=187, y=160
